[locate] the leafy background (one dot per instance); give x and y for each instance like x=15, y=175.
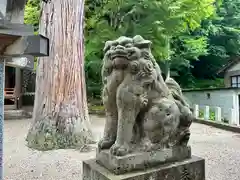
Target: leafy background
x=194, y=38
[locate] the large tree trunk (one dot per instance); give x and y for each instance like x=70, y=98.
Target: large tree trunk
x=60, y=117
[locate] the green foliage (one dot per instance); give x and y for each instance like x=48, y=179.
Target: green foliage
x=226, y=31
x=157, y=21
x=194, y=38
x=32, y=13
x=211, y=115
x=190, y=82
x=93, y=76
x=168, y=24
x=223, y=32
x=206, y=83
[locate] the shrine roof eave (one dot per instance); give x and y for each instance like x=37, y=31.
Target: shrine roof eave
x=19, y=40
x=15, y=29
x=33, y=45
x=19, y=45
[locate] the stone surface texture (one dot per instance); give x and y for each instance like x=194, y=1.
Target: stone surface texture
x=16, y=114
x=191, y=169
x=141, y=161
x=219, y=148
x=15, y=39
x=2, y=77
x=147, y=117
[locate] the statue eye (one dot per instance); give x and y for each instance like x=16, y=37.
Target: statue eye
x=168, y=114
x=112, y=48
x=128, y=45
x=148, y=85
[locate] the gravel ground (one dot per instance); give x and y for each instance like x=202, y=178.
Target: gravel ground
x=221, y=149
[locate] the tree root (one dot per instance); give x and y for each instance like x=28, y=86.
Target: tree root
x=46, y=134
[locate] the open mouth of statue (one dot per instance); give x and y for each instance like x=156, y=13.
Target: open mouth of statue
x=120, y=60
x=119, y=54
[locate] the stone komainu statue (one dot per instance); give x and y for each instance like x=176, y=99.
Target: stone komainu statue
x=144, y=112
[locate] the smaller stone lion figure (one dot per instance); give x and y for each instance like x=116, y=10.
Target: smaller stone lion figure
x=140, y=106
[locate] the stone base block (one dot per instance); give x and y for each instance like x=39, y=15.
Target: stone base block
x=192, y=169
x=141, y=160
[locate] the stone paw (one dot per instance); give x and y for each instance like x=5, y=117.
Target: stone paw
x=105, y=143
x=147, y=146
x=154, y=147
x=119, y=150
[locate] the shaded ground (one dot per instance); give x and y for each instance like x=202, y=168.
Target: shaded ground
x=221, y=149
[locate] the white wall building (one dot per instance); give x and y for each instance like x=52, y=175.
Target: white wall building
x=231, y=72
x=225, y=98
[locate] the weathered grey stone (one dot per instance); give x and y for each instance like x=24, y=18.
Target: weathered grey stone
x=16, y=114
x=16, y=39
x=15, y=29
x=13, y=10
x=147, y=119
x=143, y=111
x=141, y=160
x=26, y=62
x=3, y=7
x=189, y=169
x=35, y=45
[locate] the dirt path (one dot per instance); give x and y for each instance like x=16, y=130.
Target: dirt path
x=221, y=149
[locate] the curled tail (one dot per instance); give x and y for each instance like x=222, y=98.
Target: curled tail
x=175, y=89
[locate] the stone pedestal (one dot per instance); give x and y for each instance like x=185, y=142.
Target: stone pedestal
x=189, y=169
x=152, y=115
x=141, y=160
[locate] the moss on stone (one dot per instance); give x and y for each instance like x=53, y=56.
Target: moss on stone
x=44, y=136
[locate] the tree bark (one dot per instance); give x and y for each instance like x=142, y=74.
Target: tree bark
x=60, y=117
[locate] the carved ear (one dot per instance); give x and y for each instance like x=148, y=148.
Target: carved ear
x=144, y=44
x=107, y=46
x=141, y=43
